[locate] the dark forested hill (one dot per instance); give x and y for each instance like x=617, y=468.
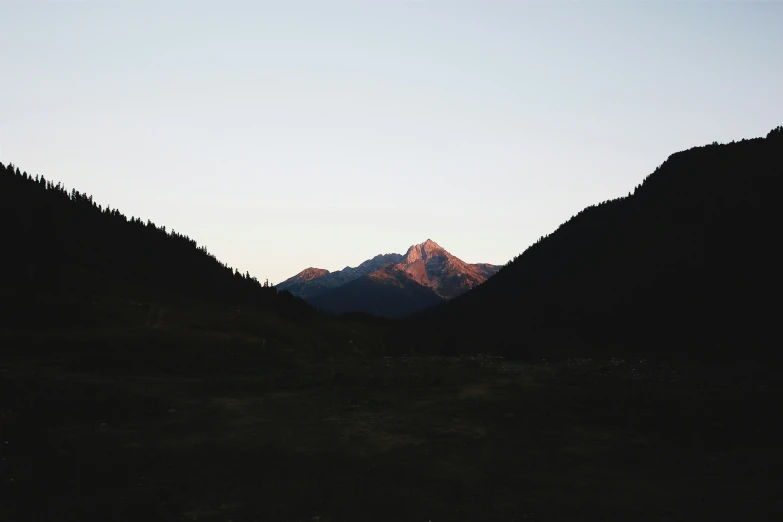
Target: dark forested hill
x=687, y=265
x=61, y=242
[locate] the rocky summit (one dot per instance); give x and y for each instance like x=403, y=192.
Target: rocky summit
x=432, y=266
x=428, y=265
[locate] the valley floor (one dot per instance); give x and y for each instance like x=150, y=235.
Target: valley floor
x=140, y=425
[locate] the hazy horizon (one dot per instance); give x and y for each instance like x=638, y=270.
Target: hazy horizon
x=289, y=136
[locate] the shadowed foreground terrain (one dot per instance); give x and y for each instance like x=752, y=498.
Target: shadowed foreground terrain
x=218, y=413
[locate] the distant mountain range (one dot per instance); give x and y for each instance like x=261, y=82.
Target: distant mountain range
x=391, y=285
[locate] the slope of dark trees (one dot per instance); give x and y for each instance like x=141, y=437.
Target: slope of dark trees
x=687, y=266
x=57, y=242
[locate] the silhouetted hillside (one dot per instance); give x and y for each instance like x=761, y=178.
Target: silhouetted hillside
x=59, y=242
x=686, y=265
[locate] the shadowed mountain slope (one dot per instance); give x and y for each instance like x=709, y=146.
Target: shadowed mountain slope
x=64, y=243
x=687, y=266
x=387, y=292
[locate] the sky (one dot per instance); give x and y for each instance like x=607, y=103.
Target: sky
x=284, y=135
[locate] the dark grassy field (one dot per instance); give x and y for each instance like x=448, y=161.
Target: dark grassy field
x=186, y=414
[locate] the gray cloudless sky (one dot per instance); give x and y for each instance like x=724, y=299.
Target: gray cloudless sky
x=284, y=135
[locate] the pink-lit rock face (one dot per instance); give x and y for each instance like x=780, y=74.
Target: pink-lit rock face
x=427, y=264
x=432, y=266
x=308, y=274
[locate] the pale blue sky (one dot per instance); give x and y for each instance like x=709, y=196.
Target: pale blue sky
x=284, y=135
